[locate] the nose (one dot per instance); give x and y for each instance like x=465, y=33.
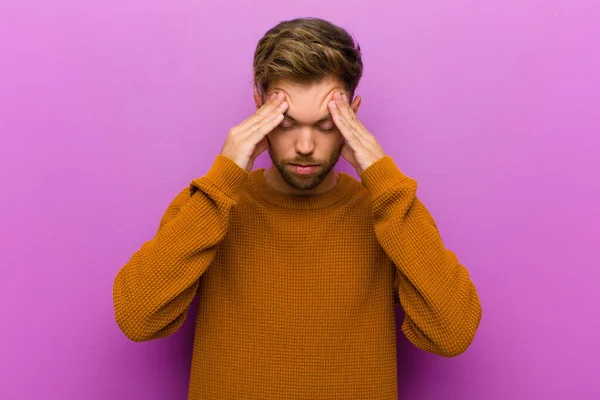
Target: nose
x=305, y=142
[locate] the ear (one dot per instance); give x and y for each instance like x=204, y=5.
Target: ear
x=355, y=104
x=257, y=99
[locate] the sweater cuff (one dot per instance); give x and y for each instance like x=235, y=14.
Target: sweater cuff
x=384, y=175
x=224, y=174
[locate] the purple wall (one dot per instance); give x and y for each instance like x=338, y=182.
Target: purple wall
x=109, y=108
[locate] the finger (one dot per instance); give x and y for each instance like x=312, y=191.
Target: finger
x=271, y=106
x=274, y=101
x=344, y=109
x=341, y=123
x=256, y=122
x=260, y=129
x=349, y=116
x=275, y=117
x=341, y=100
x=348, y=155
x=260, y=147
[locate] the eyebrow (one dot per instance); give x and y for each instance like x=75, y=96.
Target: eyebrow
x=325, y=118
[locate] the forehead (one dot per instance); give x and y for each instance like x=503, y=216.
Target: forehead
x=308, y=102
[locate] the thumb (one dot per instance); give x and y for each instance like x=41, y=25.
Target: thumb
x=348, y=154
x=260, y=148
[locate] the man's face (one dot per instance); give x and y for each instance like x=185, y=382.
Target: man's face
x=307, y=134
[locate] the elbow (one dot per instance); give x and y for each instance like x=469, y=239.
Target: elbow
x=130, y=318
x=462, y=338
x=133, y=325
x=137, y=336
x=143, y=328
x=142, y=324
x=454, y=348
x=133, y=328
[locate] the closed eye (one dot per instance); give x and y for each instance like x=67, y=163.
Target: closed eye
x=327, y=127
x=324, y=126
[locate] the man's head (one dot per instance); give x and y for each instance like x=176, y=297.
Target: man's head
x=306, y=59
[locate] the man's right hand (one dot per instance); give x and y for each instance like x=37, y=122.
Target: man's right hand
x=248, y=140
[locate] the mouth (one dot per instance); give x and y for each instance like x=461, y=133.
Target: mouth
x=304, y=169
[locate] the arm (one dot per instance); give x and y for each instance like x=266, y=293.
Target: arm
x=442, y=308
x=153, y=291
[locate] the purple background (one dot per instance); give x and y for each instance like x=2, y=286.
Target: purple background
x=109, y=108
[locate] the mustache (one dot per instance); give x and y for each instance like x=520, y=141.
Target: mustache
x=302, y=161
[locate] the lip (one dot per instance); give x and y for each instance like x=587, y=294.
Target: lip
x=306, y=169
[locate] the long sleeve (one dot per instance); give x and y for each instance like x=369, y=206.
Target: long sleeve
x=153, y=291
x=442, y=308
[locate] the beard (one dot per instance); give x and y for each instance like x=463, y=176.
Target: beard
x=309, y=181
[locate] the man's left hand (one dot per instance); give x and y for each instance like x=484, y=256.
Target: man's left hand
x=360, y=149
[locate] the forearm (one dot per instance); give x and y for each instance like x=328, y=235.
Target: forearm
x=442, y=308
x=153, y=291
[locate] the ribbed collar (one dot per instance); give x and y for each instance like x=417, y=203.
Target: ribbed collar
x=345, y=188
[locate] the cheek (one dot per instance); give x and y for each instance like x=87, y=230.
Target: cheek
x=277, y=140
x=332, y=142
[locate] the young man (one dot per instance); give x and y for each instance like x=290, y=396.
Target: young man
x=297, y=266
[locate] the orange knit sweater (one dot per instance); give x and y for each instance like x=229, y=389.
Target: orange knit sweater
x=296, y=293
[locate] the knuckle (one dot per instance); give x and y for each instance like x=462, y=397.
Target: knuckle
x=255, y=126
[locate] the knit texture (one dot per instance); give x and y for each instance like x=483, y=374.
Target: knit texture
x=296, y=293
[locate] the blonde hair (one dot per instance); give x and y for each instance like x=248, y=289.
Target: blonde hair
x=306, y=51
